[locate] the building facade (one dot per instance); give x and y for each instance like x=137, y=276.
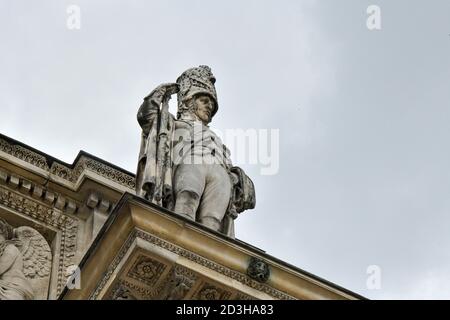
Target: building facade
x=84, y=234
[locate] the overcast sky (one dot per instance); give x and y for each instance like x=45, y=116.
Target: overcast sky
x=363, y=115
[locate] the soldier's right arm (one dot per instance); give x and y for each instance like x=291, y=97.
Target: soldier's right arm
x=147, y=113
x=150, y=107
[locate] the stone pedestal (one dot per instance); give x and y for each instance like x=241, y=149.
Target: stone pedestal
x=145, y=252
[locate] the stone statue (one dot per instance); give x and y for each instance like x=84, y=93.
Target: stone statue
x=183, y=165
x=25, y=262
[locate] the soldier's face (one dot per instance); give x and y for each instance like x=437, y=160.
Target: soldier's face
x=204, y=107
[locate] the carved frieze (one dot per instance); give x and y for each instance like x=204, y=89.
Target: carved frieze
x=122, y=292
x=177, y=284
x=242, y=278
x=146, y=270
x=24, y=154
x=211, y=292
x=69, y=174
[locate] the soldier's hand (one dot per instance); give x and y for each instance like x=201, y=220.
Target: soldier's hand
x=163, y=90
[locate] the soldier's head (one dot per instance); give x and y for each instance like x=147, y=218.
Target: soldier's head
x=197, y=94
x=204, y=108
x=200, y=106
x=6, y=231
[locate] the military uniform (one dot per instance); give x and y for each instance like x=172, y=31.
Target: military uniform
x=183, y=164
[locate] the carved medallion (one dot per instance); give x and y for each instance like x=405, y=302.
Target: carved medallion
x=146, y=270
x=258, y=270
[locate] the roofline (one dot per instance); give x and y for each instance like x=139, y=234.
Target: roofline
x=50, y=159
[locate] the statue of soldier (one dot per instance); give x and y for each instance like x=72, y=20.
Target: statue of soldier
x=183, y=165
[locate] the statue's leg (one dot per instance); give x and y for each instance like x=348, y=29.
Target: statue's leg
x=216, y=197
x=189, y=182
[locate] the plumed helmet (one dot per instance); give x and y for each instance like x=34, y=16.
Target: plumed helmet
x=196, y=81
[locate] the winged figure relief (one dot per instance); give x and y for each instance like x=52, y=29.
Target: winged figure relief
x=25, y=263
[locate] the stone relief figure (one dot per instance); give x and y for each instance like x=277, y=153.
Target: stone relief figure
x=25, y=263
x=183, y=165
